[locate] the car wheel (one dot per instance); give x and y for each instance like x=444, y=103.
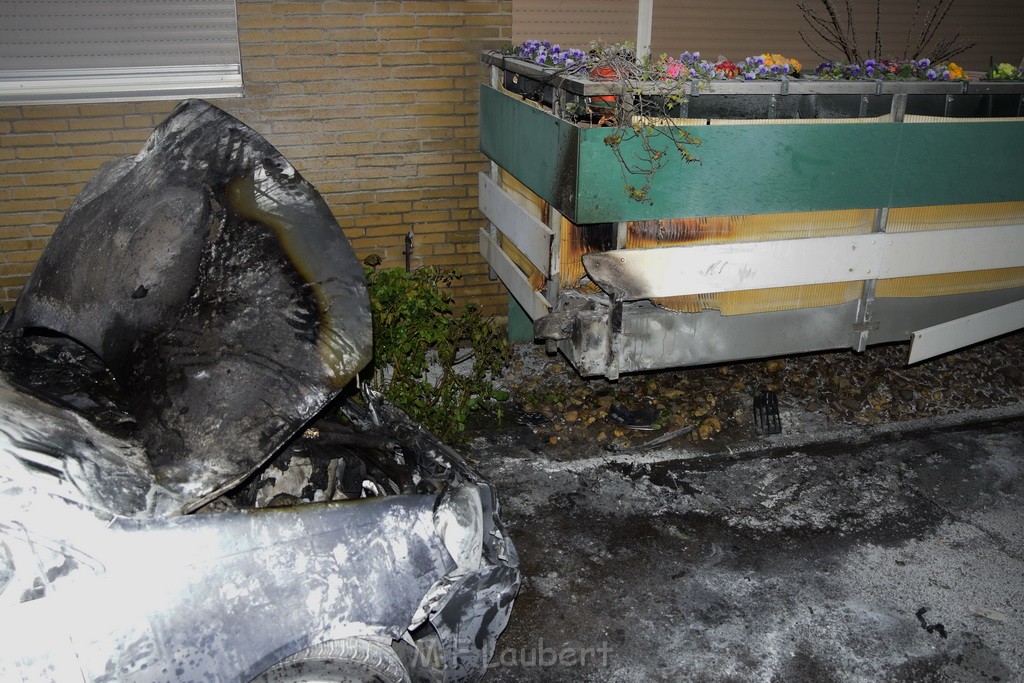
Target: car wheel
x=350, y=659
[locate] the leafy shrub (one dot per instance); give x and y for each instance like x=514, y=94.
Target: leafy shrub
x=432, y=361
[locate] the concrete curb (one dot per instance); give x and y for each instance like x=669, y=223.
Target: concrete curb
x=770, y=444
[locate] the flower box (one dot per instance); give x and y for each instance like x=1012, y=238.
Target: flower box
x=825, y=166
x=794, y=157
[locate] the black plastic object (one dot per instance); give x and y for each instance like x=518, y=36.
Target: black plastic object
x=766, y=413
x=643, y=418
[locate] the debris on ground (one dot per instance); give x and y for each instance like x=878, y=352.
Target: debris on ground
x=766, y=413
x=641, y=419
x=816, y=392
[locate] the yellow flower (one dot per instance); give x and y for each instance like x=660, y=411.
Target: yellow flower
x=955, y=71
x=775, y=59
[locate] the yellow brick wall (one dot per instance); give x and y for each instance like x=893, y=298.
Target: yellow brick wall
x=375, y=103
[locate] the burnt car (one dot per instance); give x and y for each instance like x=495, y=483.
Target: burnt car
x=191, y=485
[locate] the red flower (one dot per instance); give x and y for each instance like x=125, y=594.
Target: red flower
x=727, y=68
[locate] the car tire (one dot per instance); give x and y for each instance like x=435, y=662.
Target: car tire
x=339, y=661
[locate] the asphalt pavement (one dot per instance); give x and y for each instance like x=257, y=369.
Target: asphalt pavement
x=879, y=554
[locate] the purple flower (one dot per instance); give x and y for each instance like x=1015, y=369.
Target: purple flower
x=696, y=55
x=931, y=74
x=749, y=76
x=869, y=69
x=685, y=57
x=924, y=63
x=870, y=63
x=762, y=71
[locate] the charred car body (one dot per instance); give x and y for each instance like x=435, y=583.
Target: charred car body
x=183, y=349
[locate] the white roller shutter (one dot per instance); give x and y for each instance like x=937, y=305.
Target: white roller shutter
x=100, y=50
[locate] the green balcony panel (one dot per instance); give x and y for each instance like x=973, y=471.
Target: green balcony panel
x=756, y=168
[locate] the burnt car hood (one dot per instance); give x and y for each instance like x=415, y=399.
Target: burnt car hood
x=216, y=285
x=178, y=349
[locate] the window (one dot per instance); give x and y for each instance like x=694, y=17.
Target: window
x=99, y=50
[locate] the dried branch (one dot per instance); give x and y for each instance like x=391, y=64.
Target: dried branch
x=910, y=30
x=947, y=48
x=831, y=30
x=931, y=25
x=822, y=28
x=851, y=27
x=841, y=35
x=813, y=49
x=877, y=54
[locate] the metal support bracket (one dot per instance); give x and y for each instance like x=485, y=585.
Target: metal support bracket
x=554, y=267
x=614, y=339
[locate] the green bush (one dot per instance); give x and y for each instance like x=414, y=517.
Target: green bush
x=413, y=314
